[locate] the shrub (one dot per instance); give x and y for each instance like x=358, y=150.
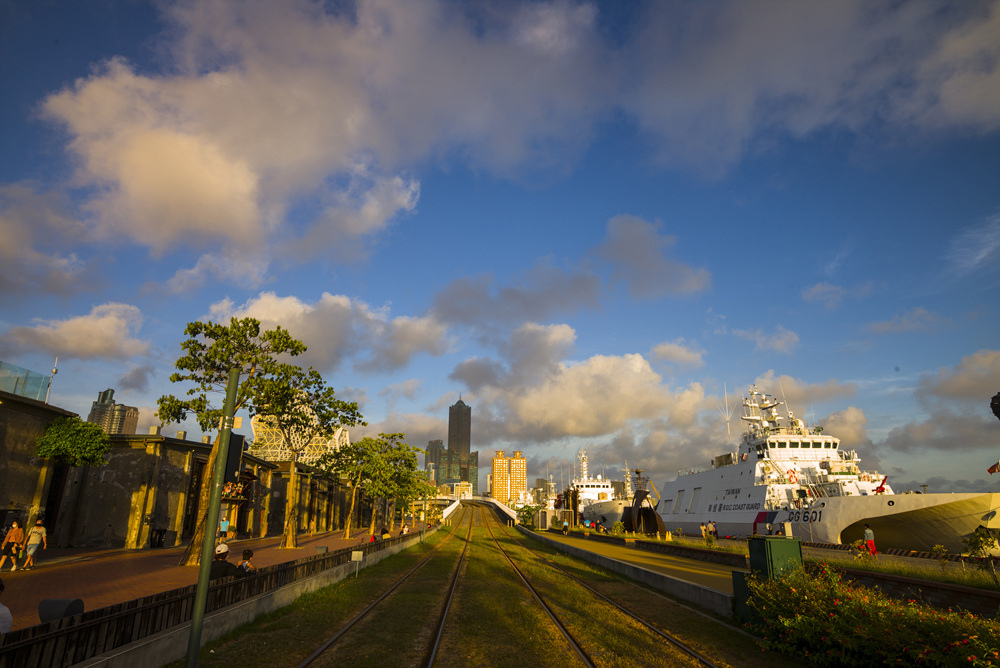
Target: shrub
x=618, y=528
x=827, y=622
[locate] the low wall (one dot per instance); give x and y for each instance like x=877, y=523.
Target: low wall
x=171, y=645
x=706, y=598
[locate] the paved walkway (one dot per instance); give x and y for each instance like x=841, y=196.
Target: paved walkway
x=104, y=577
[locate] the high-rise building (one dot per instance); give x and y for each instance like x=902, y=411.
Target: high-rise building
x=433, y=458
x=460, y=434
x=112, y=417
x=509, y=480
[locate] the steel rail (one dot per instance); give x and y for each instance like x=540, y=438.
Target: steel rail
x=573, y=643
x=364, y=613
x=679, y=644
x=436, y=642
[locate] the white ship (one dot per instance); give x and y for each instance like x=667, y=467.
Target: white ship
x=590, y=490
x=607, y=511
x=784, y=472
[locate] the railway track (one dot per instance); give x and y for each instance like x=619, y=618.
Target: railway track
x=451, y=612
x=673, y=644
x=326, y=649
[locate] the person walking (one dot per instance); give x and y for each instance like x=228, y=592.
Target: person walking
x=870, y=541
x=13, y=542
x=36, y=536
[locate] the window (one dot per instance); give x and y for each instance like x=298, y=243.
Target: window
x=782, y=444
x=793, y=444
x=679, y=502
x=694, y=499
x=817, y=444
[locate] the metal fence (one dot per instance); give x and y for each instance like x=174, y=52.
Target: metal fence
x=67, y=641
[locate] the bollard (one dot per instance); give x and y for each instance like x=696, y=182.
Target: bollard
x=51, y=609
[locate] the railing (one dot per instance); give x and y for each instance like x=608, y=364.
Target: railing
x=64, y=642
x=22, y=382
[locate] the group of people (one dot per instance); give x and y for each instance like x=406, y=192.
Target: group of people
x=17, y=545
x=223, y=568
x=709, y=530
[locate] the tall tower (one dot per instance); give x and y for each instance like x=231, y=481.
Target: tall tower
x=460, y=437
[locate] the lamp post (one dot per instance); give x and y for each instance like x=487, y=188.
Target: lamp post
x=212, y=522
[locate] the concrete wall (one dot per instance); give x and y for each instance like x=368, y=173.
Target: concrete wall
x=706, y=598
x=25, y=477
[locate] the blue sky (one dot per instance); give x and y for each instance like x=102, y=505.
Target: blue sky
x=588, y=219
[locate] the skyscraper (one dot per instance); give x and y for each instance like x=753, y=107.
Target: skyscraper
x=113, y=418
x=509, y=481
x=459, y=443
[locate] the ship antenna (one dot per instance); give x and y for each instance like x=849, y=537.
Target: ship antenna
x=727, y=412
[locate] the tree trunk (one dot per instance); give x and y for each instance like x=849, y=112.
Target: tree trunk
x=290, y=537
x=350, y=515
x=192, y=554
x=371, y=529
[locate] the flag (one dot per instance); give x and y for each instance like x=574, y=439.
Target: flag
x=993, y=469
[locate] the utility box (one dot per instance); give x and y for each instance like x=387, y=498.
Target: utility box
x=771, y=556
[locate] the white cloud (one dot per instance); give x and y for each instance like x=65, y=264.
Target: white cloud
x=713, y=81
x=799, y=394
x=107, y=332
x=975, y=378
x=538, y=294
x=781, y=341
x=976, y=248
x=829, y=295
x=38, y=231
x=336, y=328
x=637, y=254
x=916, y=319
x=677, y=352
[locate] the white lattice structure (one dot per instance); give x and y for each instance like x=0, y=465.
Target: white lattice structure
x=270, y=445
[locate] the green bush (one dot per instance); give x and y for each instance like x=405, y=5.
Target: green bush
x=618, y=528
x=827, y=622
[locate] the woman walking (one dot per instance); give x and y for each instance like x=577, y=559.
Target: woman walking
x=13, y=542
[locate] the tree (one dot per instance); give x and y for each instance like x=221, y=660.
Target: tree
x=300, y=406
x=358, y=464
x=210, y=351
x=72, y=441
x=394, y=473
x=525, y=514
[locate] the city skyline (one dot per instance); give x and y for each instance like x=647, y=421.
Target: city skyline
x=593, y=221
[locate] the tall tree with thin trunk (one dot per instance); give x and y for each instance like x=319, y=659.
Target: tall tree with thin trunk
x=355, y=463
x=300, y=406
x=209, y=352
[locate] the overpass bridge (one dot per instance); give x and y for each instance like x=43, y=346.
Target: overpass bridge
x=454, y=502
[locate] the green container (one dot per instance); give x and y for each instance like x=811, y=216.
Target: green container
x=771, y=556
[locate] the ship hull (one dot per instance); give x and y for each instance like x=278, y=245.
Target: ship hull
x=901, y=521
x=605, y=513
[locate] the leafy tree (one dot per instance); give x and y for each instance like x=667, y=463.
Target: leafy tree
x=354, y=463
x=72, y=441
x=395, y=471
x=210, y=351
x=525, y=514
x=300, y=406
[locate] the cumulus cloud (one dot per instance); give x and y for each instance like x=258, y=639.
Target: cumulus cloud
x=679, y=353
x=715, y=80
x=636, y=252
x=781, y=341
x=107, y=332
x=975, y=378
x=943, y=430
x=799, y=394
x=916, y=319
x=39, y=232
x=336, y=328
x=540, y=293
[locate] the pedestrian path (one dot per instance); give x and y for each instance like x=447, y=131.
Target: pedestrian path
x=103, y=577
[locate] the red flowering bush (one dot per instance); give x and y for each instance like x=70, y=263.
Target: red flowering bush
x=818, y=617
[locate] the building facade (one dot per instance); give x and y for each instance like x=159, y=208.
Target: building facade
x=456, y=463
x=509, y=478
x=112, y=417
